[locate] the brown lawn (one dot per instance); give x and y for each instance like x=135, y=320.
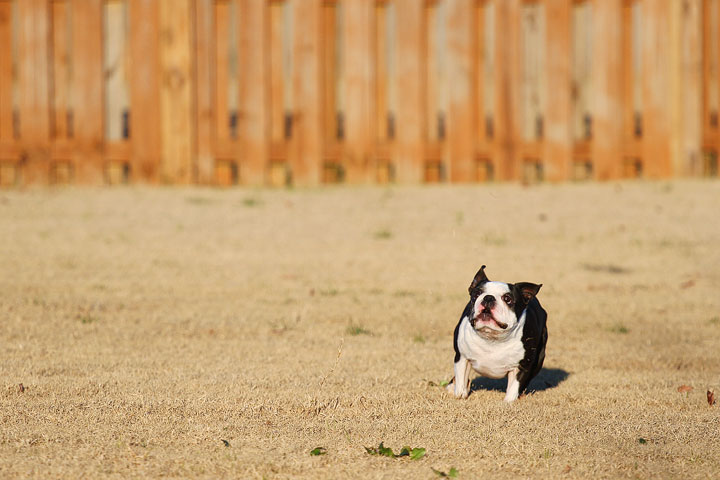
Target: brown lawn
x=226, y=333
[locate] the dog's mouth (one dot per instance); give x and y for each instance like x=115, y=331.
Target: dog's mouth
x=485, y=319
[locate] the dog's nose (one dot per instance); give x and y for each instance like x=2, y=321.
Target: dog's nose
x=488, y=300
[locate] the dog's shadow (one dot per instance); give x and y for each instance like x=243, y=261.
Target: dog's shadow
x=547, y=378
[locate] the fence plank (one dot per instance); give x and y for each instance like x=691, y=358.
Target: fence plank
x=357, y=57
x=176, y=87
x=34, y=89
x=145, y=90
x=307, y=144
x=460, y=91
x=687, y=96
x=410, y=124
x=222, y=54
x=61, y=67
x=607, y=85
x=254, y=75
x=557, y=150
x=204, y=63
x=657, y=53
x=6, y=79
x=88, y=89
x=507, y=79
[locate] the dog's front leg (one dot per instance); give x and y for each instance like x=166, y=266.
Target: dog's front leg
x=513, y=386
x=462, y=378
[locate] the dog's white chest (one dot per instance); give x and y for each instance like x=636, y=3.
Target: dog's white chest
x=491, y=358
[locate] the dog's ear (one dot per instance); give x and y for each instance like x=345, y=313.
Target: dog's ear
x=480, y=278
x=527, y=290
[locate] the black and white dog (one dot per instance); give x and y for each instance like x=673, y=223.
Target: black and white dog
x=502, y=331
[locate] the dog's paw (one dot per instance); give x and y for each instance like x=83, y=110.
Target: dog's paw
x=510, y=398
x=460, y=393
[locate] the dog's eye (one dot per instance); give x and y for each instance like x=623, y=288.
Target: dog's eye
x=507, y=298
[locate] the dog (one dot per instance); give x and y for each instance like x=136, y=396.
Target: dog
x=502, y=332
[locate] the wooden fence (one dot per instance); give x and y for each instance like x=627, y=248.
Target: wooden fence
x=359, y=91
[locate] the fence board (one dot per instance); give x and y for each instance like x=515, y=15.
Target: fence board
x=88, y=86
x=607, y=84
x=357, y=57
x=6, y=80
x=145, y=89
x=222, y=55
x=253, y=117
x=34, y=89
x=410, y=97
x=306, y=151
x=558, y=128
x=656, y=54
x=506, y=153
x=461, y=143
x=176, y=87
x=61, y=69
x=204, y=75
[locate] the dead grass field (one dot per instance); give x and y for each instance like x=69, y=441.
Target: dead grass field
x=151, y=326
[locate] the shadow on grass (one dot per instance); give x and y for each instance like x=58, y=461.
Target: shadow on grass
x=547, y=378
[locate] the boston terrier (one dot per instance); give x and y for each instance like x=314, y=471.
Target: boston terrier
x=502, y=331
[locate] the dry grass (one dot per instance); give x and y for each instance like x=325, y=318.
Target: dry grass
x=151, y=327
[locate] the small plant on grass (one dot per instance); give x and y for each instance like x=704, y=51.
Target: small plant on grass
x=452, y=473
x=251, y=202
x=418, y=338
x=619, y=328
x=355, y=330
x=383, y=451
x=441, y=383
x=318, y=451
x=85, y=319
x=383, y=234
x=714, y=321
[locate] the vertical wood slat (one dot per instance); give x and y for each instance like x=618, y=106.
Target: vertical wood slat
x=176, y=107
x=409, y=148
x=607, y=87
x=204, y=77
x=34, y=88
x=6, y=80
x=60, y=64
x=222, y=54
x=277, y=73
x=460, y=68
x=329, y=69
x=253, y=100
x=306, y=150
x=657, y=54
x=688, y=97
x=706, y=39
x=358, y=45
x=381, y=72
x=88, y=90
x=478, y=62
x=145, y=90
x=431, y=55
x=507, y=89
x=558, y=131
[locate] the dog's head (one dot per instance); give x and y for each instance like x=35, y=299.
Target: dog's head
x=498, y=306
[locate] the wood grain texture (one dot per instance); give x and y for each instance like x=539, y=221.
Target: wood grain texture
x=254, y=102
x=145, y=90
x=34, y=88
x=88, y=82
x=176, y=103
x=6, y=74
